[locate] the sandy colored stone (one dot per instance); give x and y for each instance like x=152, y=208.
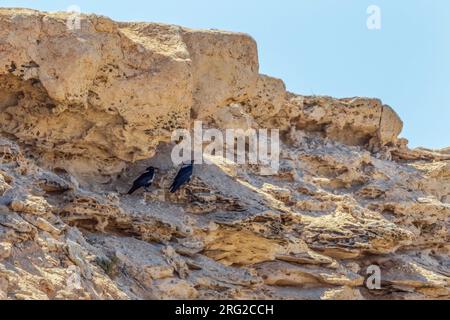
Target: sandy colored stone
x=5, y=250
x=32, y=205
x=84, y=112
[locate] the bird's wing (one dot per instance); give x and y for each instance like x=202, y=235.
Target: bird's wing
x=183, y=176
x=144, y=179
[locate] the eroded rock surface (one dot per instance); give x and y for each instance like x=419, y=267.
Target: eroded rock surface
x=83, y=112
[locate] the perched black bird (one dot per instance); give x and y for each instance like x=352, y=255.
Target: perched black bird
x=183, y=176
x=144, y=181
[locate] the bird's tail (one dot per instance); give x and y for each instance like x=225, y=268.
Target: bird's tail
x=173, y=188
x=132, y=190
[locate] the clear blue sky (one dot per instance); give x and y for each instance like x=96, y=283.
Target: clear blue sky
x=323, y=47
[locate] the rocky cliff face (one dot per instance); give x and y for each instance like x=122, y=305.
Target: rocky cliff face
x=83, y=111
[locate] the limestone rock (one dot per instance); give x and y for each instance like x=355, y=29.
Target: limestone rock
x=5, y=250
x=32, y=205
x=84, y=112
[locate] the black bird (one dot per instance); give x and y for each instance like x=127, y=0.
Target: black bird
x=183, y=176
x=144, y=181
